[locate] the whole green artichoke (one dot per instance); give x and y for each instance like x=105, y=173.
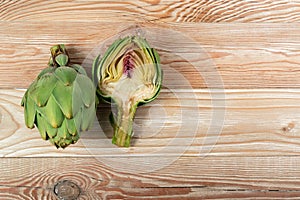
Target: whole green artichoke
x=61, y=101
x=128, y=75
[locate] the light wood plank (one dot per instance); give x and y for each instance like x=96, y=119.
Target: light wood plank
x=242, y=55
x=187, y=177
x=148, y=10
x=180, y=122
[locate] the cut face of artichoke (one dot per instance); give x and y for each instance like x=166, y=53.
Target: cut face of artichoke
x=61, y=101
x=128, y=74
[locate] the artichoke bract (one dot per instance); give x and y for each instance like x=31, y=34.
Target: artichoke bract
x=61, y=101
x=128, y=75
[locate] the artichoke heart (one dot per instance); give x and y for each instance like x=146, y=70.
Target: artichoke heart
x=128, y=74
x=61, y=101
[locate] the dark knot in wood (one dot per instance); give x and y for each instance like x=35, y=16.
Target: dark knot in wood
x=66, y=190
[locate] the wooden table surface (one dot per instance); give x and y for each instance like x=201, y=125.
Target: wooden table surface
x=226, y=124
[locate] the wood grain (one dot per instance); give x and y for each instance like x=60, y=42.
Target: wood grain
x=219, y=178
x=180, y=122
x=243, y=56
x=208, y=11
x=225, y=126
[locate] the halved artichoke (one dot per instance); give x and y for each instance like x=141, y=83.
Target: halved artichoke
x=128, y=75
x=61, y=101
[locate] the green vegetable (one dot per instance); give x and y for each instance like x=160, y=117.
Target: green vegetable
x=61, y=101
x=127, y=75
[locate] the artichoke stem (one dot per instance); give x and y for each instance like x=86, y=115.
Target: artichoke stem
x=123, y=126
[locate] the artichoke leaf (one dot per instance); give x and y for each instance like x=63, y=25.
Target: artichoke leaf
x=62, y=131
x=23, y=101
x=71, y=126
x=41, y=90
x=62, y=59
x=29, y=113
x=41, y=124
x=45, y=71
x=86, y=85
x=79, y=69
x=63, y=97
x=52, y=113
x=51, y=131
x=66, y=74
x=77, y=96
x=78, y=120
x=87, y=118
